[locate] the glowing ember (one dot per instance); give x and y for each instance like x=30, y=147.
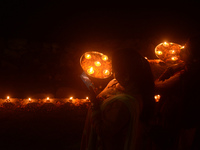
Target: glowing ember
x=165, y=44
x=71, y=98
x=8, y=97
x=87, y=98
x=104, y=57
x=182, y=47
x=47, y=98
x=96, y=65
x=168, y=52
x=174, y=58
x=87, y=56
x=172, y=51
x=106, y=72
x=159, y=53
x=29, y=99
x=157, y=98
x=90, y=70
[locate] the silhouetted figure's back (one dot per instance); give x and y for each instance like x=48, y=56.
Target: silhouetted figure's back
x=126, y=106
x=182, y=87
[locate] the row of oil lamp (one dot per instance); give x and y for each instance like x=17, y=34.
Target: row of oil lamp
x=49, y=100
x=71, y=99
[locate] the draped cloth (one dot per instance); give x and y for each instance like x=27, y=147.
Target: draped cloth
x=92, y=139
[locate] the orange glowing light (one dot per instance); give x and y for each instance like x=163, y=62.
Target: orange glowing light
x=166, y=44
x=182, y=47
x=29, y=99
x=8, y=97
x=104, y=57
x=47, y=98
x=71, y=98
x=87, y=97
x=159, y=53
x=172, y=51
x=88, y=56
x=168, y=52
x=106, y=72
x=157, y=98
x=174, y=58
x=96, y=65
x=90, y=70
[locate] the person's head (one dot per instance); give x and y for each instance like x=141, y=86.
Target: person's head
x=133, y=72
x=131, y=69
x=191, y=52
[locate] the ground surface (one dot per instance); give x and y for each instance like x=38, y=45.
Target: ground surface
x=41, y=127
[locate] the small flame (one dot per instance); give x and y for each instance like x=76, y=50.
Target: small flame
x=174, y=58
x=71, y=98
x=8, y=97
x=159, y=52
x=104, y=57
x=182, y=47
x=29, y=99
x=97, y=63
x=157, y=98
x=47, y=98
x=90, y=70
x=165, y=44
x=106, y=72
x=88, y=56
x=87, y=97
x=172, y=51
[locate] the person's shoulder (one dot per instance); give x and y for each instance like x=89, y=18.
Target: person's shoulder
x=118, y=100
x=122, y=100
x=124, y=97
x=117, y=104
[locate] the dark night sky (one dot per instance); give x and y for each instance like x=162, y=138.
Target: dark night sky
x=61, y=21
x=82, y=25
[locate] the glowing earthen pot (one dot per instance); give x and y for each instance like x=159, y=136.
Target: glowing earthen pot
x=168, y=52
x=96, y=64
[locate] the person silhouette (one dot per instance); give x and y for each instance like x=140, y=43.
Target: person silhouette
x=125, y=106
x=180, y=84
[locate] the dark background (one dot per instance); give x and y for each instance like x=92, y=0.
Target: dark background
x=41, y=41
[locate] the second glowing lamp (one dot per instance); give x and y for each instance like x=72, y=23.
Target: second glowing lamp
x=168, y=52
x=96, y=64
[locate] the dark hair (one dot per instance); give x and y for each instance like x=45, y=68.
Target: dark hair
x=129, y=61
x=193, y=45
x=190, y=82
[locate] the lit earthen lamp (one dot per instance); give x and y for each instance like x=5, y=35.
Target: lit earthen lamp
x=96, y=65
x=168, y=52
